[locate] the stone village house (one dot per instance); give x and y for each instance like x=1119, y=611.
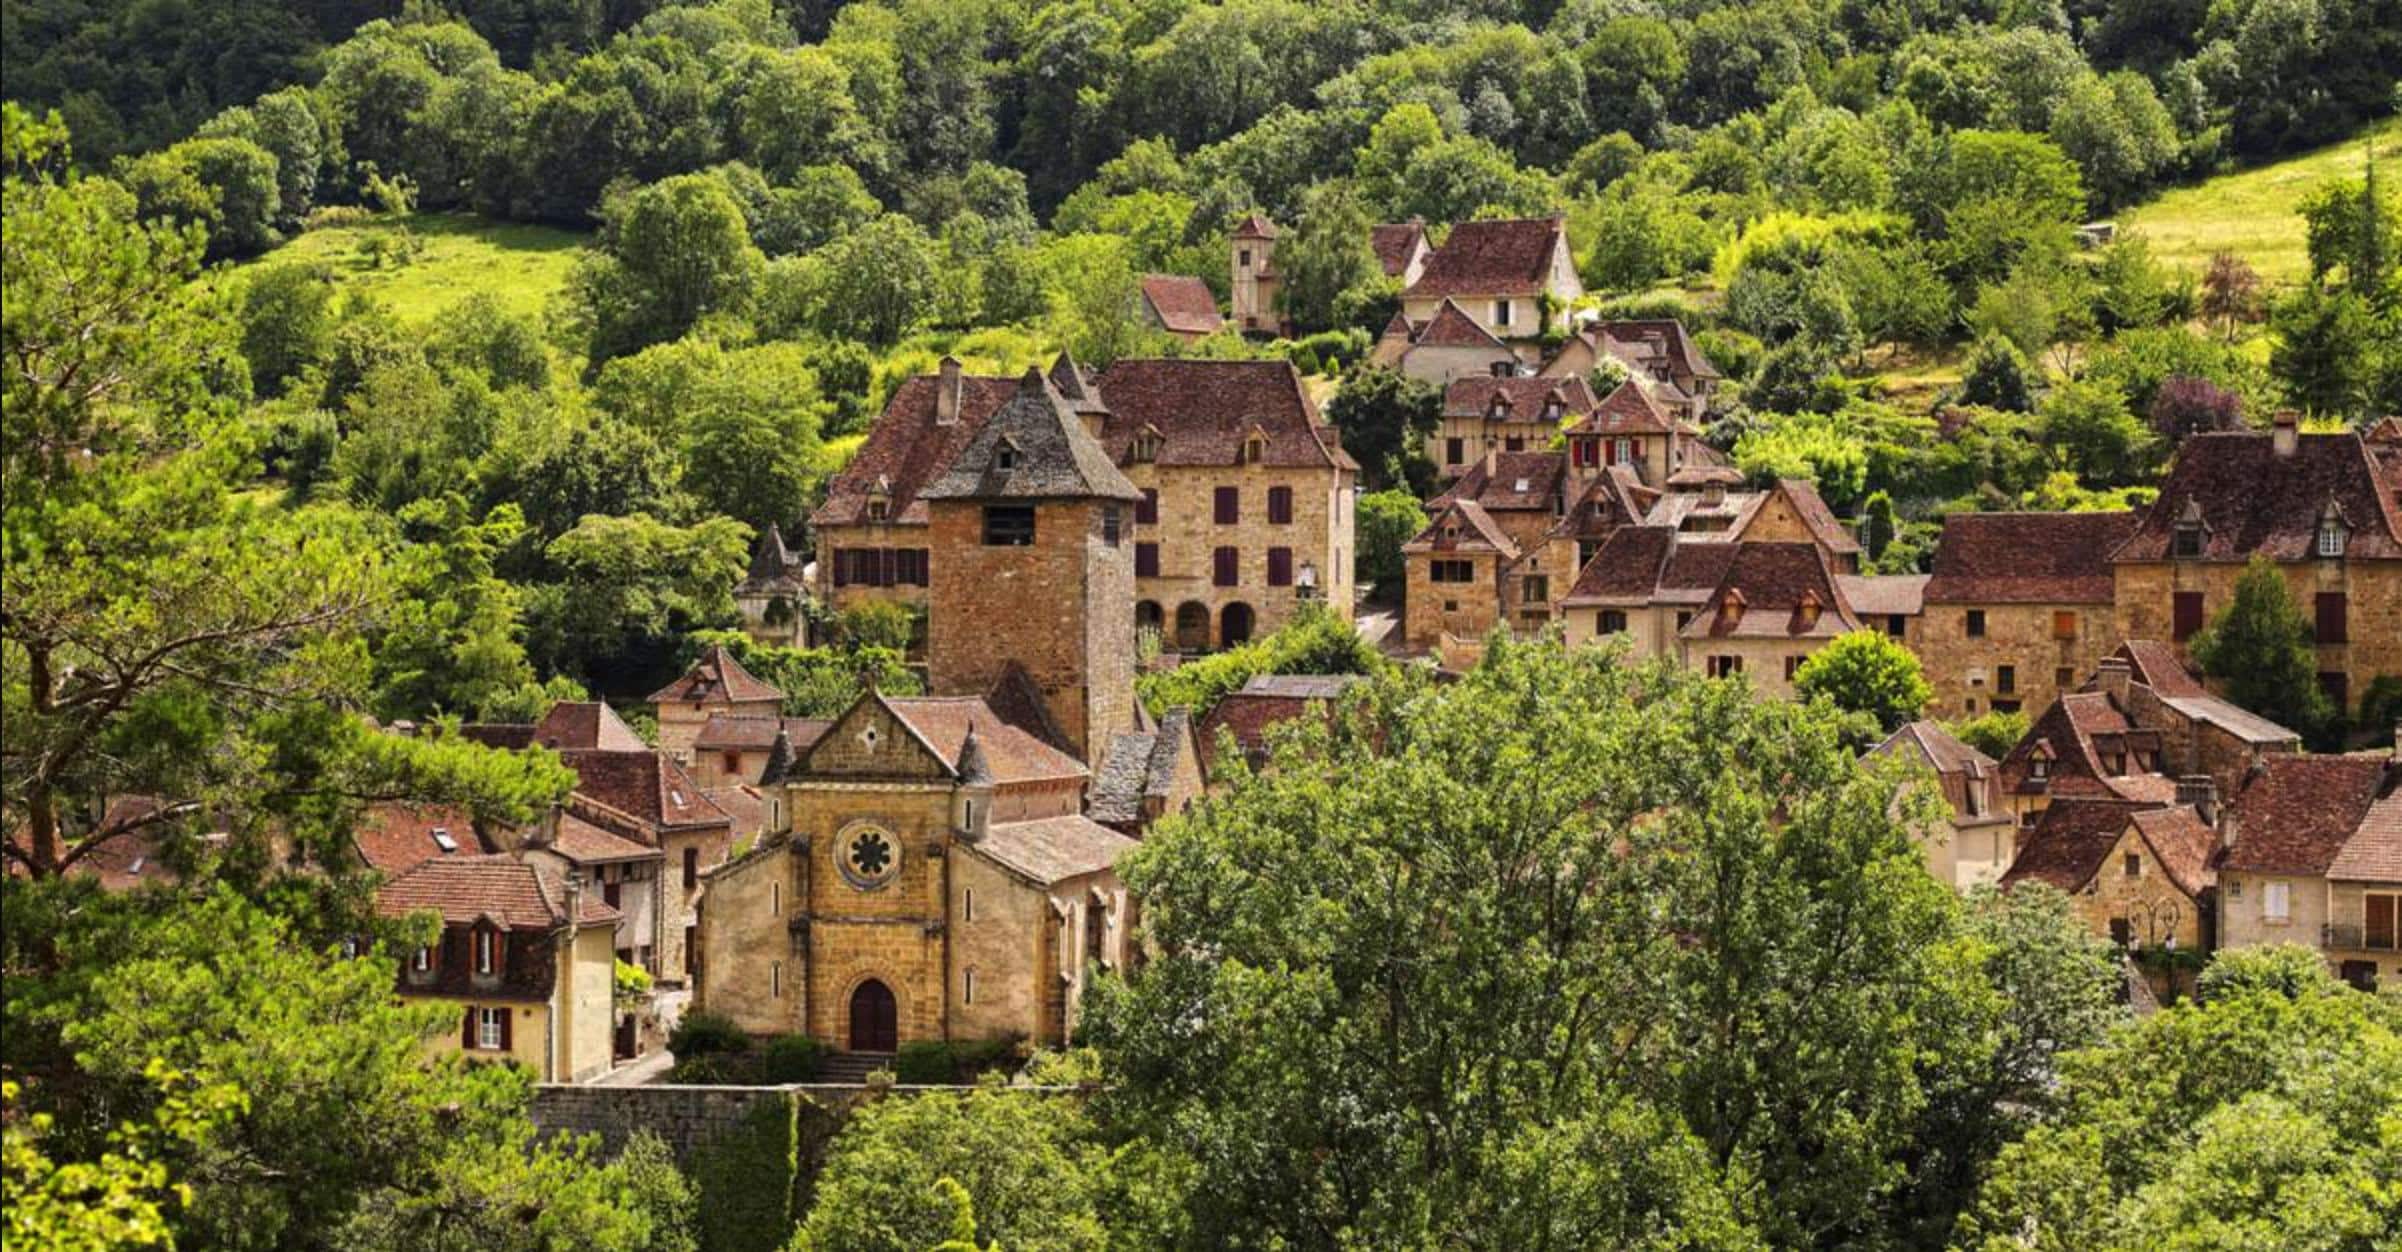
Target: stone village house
x=1976, y=840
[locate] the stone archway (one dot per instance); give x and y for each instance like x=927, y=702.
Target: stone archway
x=1149, y=616
x=1192, y=627
x=1234, y=625
x=875, y=1018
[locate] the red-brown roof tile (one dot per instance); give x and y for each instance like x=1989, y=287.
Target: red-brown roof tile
x=1510, y=257
x=1626, y=569
x=1461, y=526
x=1011, y=754
x=907, y=448
x=1522, y=397
x=2296, y=813
x=395, y=837
x=1517, y=481
x=587, y=724
x=1451, y=327
x=2027, y=558
x=1204, y=410
x=513, y=894
x=2252, y=502
x=1184, y=304
x=1627, y=410
x=646, y=785
x=1393, y=242
x=2070, y=842
x=715, y=678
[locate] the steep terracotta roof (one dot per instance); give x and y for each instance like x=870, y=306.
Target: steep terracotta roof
x=586, y=844
x=1517, y=481
x=2077, y=732
x=743, y=805
x=2070, y=842
x=2295, y=813
x=1627, y=410
x=1626, y=569
x=1202, y=411
x=1523, y=397
x=1884, y=593
x=714, y=678
x=646, y=785
x=1463, y=525
x=1017, y=699
x=2157, y=665
x=1509, y=257
x=1393, y=242
x=908, y=448
x=2183, y=843
x=1013, y=756
x=1267, y=701
x=1184, y=304
x=395, y=838
x=2374, y=852
x=513, y=894
x=1774, y=590
x=735, y=732
x=1050, y=849
x=590, y=724
x=1635, y=339
x=2253, y=502
x=1451, y=327
x=1815, y=516
x=2027, y=558
x=1034, y=447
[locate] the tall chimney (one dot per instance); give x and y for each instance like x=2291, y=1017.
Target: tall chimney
x=1492, y=459
x=2201, y=792
x=2113, y=676
x=946, y=393
x=2285, y=432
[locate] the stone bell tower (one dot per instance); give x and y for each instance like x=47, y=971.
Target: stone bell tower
x=1035, y=527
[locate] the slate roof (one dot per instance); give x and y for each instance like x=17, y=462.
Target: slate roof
x=1139, y=765
x=1626, y=569
x=716, y=677
x=1050, y=849
x=1772, y=588
x=1470, y=528
x=943, y=722
x=2070, y=842
x=1392, y=242
x=513, y=894
x=1203, y=410
x=1631, y=338
x=2374, y=852
x=2027, y=558
x=1451, y=327
x=2296, y=813
x=1523, y=396
x=1517, y=481
x=1627, y=410
x=2254, y=502
x=1184, y=304
x=1506, y=257
x=907, y=448
x=774, y=567
x=735, y=732
x=1033, y=448
x=396, y=837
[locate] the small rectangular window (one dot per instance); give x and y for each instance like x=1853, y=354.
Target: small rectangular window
x=1280, y=567
x=967, y=986
x=1280, y=506
x=775, y=979
x=967, y=903
x=692, y=868
x=1976, y=623
x=692, y=949
x=1225, y=567
x=2333, y=611
x=1792, y=666
x=1501, y=312
x=1454, y=450
x=424, y=960
x=2006, y=678
x=2064, y=623
x=1535, y=589
x=1146, y=560
x=2187, y=541
x=2185, y=614
x=1147, y=512
x=1897, y=624
x=485, y=946
x=1226, y=505
x=2064, y=678
x=1611, y=622
x=1109, y=524
x=491, y=1029
x=2276, y=902
x=1008, y=525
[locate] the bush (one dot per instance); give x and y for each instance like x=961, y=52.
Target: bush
x=1993, y=734
x=2381, y=705
x=925, y=1062
x=791, y=1058
x=707, y=1034
x=1329, y=351
x=1655, y=305
x=1316, y=641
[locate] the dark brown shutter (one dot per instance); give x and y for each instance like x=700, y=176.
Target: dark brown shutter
x=1280, y=567
x=508, y=1019
x=1225, y=564
x=2331, y=617
x=1146, y=560
x=1228, y=503
x=467, y=1033
x=1280, y=505
x=2186, y=610
x=1147, y=512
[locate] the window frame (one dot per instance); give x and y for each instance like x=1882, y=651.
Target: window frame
x=491, y=1029
x=1001, y=529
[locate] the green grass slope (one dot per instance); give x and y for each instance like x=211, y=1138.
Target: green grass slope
x=2256, y=213
x=456, y=255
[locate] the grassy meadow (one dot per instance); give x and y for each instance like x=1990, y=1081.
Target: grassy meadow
x=455, y=255
x=2256, y=213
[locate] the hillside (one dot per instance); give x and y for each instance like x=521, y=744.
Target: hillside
x=2253, y=213
x=455, y=254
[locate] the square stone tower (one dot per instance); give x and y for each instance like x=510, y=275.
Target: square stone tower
x=1034, y=526
x=1252, y=255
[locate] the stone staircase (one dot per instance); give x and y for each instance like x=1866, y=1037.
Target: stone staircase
x=852, y=1068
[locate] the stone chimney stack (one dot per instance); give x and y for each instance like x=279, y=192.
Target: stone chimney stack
x=1492, y=460
x=2285, y=432
x=946, y=393
x=2201, y=792
x=2113, y=676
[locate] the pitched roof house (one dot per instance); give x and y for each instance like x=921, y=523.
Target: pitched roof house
x=2018, y=608
x=1181, y=305
x=2313, y=855
x=1975, y=841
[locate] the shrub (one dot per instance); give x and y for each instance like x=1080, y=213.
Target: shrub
x=1314, y=642
x=1993, y=734
x=2381, y=705
x=707, y=1034
x=925, y=1062
x=791, y=1058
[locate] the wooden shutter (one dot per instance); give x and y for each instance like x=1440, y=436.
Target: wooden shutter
x=2331, y=605
x=1226, y=564
x=1227, y=503
x=1146, y=560
x=1280, y=567
x=2379, y=916
x=1280, y=505
x=2186, y=612
x=467, y=1033
x=508, y=1019
x=1147, y=512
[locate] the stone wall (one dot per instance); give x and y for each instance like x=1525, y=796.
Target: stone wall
x=2373, y=602
x=1188, y=535
x=1464, y=610
x=1965, y=670
x=687, y=1118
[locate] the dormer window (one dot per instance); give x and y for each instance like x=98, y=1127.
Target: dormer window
x=2332, y=534
x=1499, y=410
x=1146, y=444
x=879, y=509
x=1255, y=448
x=2039, y=768
x=2186, y=542
x=487, y=952
x=1005, y=456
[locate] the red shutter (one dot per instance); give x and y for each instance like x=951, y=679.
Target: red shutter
x=1280, y=505
x=2186, y=609
x=467, y=1033
x=2331, y=617
x=1147, y=512
x=1280, y=567
x=1609, y=452
x=1228, y=504
x=508, y=1018
x=500, y=953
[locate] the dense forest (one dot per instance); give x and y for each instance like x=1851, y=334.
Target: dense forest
x=1417, y=986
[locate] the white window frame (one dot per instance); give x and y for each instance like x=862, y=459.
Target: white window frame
x=424, y=960
x=2276, y=903
x=1501, y=312
x=486, y=946
x=2331, y=539
x=489, y=1024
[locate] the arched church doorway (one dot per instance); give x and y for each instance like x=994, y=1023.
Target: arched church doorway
x=875, y=1019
